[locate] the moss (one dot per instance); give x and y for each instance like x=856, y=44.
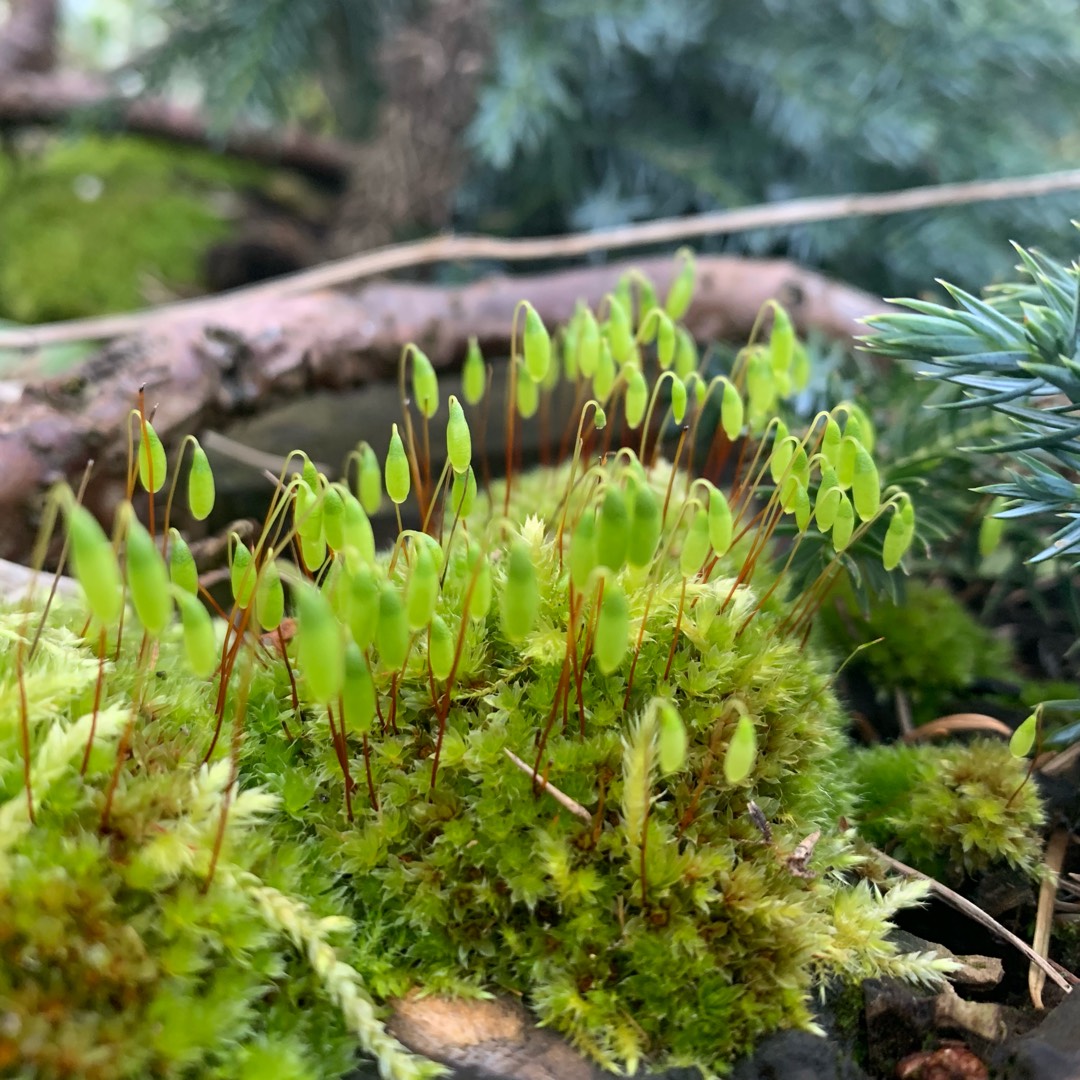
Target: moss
x=951, y=810
x=90, y=220
x=932, y=647
x=670, y=884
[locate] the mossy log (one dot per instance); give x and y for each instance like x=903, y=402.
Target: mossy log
x=203, y=367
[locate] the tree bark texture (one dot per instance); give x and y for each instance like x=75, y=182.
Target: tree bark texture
x=263, y=350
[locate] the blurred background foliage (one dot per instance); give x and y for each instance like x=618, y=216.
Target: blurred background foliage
x=538, y=116
x=595, y=113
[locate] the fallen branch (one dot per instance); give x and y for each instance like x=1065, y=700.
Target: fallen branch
x=974, y=912
x=46, y=99
x=452, y=248
x=258, y=351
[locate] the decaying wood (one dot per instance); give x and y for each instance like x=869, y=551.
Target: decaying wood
x=256, y=353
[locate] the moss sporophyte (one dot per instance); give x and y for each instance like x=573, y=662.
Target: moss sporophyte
x=527, y=750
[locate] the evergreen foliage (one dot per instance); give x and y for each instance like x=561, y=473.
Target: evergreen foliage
x=1017, y=352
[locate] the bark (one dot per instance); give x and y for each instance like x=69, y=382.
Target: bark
x=262, y=350
x=27, y=99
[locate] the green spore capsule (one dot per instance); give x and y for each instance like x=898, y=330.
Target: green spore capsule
x=802, y=508
x=667, y=342
x=308, y=510
x=671, y=740
x=800, y=465
x=1023, y=738
x=363, y=605
x=398, y=480
x=440, y=648
x=333, y=507
x=480, y=597
x=458, y=438
x=789, y=492
x=845, y=462
x=844, y=524
x=604, y=378
x=313, y=552
x=320, y=651
x=620, y=336
x=760, y=384
x=800, y=367
x=865, y=485
x=568, y=345
x=422, y=591
x=369, y=480
x=732, y=411
x=720, y=522
x=528, y=395
x=583, y=549
x=152, y=464
x=357, y=693
x=148, y=578
x=589, y=344
x=781, y=342
x=645, y=526
x=392, y=633
x=473, y=374
x=897, y=541
x=241, y=571
x=612, y=530
x=463, y=493
x=646, y=299
x=537, y=345
x=830, y=442
x=686, y=354
x=95, y=565
x=782, y=453
x=681, y=292
x=827, y=502
x=695, y=549
x=859, y=426
x=521, y=594
x=201, y=489
x=599, y=418
x=741, y=752
x=200, y=642
x=358, y=533
x=269, y=596
x=425, y=384
x=182, y=569
x=612, y=629
x=678, y=399
x=637, y=397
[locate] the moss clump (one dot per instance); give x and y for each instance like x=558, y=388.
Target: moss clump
x=567, y=742
x=951, y=810
x=932, y=648
x=91, y=219
x=116, y=958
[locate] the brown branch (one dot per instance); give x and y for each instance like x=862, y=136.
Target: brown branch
x=954, y=899
x=47, y=99
x=450, y=248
